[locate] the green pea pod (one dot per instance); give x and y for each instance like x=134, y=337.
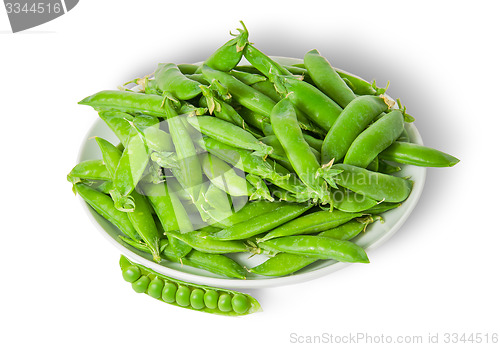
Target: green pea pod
x=278, y=151
x=327, y=79
x=311, y=223
x=320, y=247
x=129, y=172
x=125, y=101
x=313, y=142
x=282, y=264
x=144, y=224
x=346, y=231
x=347, y=201
x=103, y=205
x=218, y=199
x=209, y=301
x=385, y=167
x=350, y=123
x=256, y=120
x=262, y=223
x=190, y=169
x=170, y=79
x=201, y=241
x=298, y=152
x=158, y=140
x=381, y=208
x=223, y=176
x=119, y=122
x=110, y=155
x=247, y=78
x=229, y=134
x=359, y=86
x=413, y=154
x=89, y=169
x=229, y=55
x=188, y=69
x=375, y=185
x=159, y=197
x=250, y=210
x=317, y=106
x=380, y=135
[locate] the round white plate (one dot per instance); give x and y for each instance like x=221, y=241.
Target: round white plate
x=376, y=233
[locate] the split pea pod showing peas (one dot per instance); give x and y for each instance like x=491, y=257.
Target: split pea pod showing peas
x=188, y=295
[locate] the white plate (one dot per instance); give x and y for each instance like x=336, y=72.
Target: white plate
x=376, y=233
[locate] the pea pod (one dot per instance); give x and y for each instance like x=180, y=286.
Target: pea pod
x=224, y=177
x=380, y=135
x=89, y=169
x=350, y=123
x=327, y=79
x=282, y=264
x=250, y=210
x=201, y=241
x=103, y=205
x=229, y=134
x=119, y=122
x=375, y=185
x=311, y=223
x=125, y=101
x=179, y=293
x=413, y=154
x=170, y=79
x=261, y=224
x=320, y=247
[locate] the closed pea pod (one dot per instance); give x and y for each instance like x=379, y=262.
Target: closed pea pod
x=119, y=122
x=89, y=169
x=375, y=139
x=327, y=79
x=311, y=223
x=170, y=79
x=250, y=210
x=375, y=185
x=350, y=123
x=149, y=104
x=282, y=264
x=320, y=247
x=414, y=154
x=262, y=223
x=228, y=133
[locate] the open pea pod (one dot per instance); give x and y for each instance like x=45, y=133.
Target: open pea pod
x=188, y=295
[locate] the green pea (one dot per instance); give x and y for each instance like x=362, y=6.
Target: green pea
x=240, y=303
x=168, y=292
x=141, y=285
x=131, y=274
x=182, y=296
x=211, y=299
x=196, y=299
x=225, y=303
x=155, y=288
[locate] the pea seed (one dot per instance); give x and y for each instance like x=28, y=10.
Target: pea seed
x=211, y=299
x=155, y=288
x=225, y=303
x=240, y=303
x=168, y=292
x=182, y=296
x=131, y=274
x=141, y=285
x=197, y=299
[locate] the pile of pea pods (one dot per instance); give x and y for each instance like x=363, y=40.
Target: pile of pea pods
x=226, y=156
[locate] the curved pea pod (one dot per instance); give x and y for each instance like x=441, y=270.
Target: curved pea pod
x=111, y=155
x=327, y=79
x=256, y=120
x=261, y=224
x=346, y=231
x=350, y=123
x=359, y=86
x=320, y=247
x=413, y=154
x=247, y=78
x=170, y=79
x=229, y=55
x=119, y=122
x=201, y=241
x=143, y=222
x=158, y=140
x=229, y=134
x=223, y=176
x=348, y=201
x=377, y=137
x=317, y=106
x=263, y=63
x=188, y=295
x=381, y=208
x=311, y=223
x=278, y=152
x=89, y=169
x=188, y=69
x=149, y=104
x=282, y=264
x=103, y=205
x=375, y=185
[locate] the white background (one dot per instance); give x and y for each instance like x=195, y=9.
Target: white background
x=60, y=282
